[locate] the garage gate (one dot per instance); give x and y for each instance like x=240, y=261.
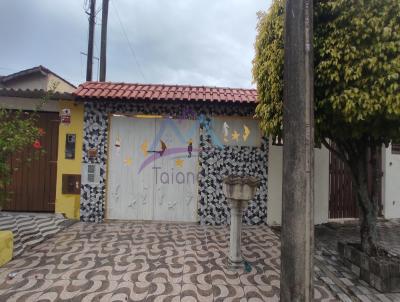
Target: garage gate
x=152, y=168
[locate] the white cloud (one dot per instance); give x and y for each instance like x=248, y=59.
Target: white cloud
x=197, y=42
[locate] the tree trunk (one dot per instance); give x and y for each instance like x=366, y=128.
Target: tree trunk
x=366, y=203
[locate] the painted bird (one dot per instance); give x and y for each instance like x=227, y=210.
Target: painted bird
x=190, y=149
x=163, y=148
x=225, y=129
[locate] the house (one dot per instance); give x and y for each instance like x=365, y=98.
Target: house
x=160, y=152
x=36, y=78
x=34, y=185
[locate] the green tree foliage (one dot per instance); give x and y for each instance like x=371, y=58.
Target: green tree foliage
x=356, y=81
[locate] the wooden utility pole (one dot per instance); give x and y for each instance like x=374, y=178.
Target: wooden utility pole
x=103, y=49
x=89, y=64
x=298, y=155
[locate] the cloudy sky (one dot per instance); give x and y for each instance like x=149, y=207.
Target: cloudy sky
x=197, y=42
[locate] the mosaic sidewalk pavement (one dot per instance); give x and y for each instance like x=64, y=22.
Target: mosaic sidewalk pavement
x=31, y=229
x=339, y=278
x=126, y=261
x=388, y=234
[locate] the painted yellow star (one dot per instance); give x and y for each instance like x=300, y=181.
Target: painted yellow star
x=179, y=163
x=144, y=147
x=246, y=132
x=235, y=136
x=128, y=161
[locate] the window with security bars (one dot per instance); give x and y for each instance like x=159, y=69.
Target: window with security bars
x=91, y=174
x=395, y=148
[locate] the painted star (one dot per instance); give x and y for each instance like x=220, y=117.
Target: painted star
x=144, y=147
x=179, y=163
x=235, y=136
x=128, y=161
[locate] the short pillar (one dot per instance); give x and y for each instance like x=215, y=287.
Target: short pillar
x=238, y=191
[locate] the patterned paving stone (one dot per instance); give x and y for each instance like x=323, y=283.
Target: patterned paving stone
x=228, y=293
x=61, y=290
x=95, y=290
x=134, y=261
x=164, y=292
x=197, y=292
x=169, y=273
x=261, y=293
x=19, y=289
x=30, y=229
x=327, y=237
x=258, y=277
x=194, y=273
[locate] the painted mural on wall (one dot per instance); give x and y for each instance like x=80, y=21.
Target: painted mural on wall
x=152, y=171
x=215, y=160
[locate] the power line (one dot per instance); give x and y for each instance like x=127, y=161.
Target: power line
x=129, y=43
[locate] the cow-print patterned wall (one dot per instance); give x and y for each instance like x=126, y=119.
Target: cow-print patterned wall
x=215, y=162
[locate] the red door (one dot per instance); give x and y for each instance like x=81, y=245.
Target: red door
x=342, y=198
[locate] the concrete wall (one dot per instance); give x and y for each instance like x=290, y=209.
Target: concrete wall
x=391, y=183
x=61, y=85
x=27, y=104
x=30, y=82
x=39, y=82
x=321, y=185
x=65, y=203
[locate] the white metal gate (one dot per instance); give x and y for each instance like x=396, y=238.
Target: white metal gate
x=152, y=169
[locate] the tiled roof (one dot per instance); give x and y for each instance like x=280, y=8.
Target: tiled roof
x=152, y=92
x=35, y=94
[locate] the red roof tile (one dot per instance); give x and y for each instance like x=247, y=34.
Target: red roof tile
x=114, y=91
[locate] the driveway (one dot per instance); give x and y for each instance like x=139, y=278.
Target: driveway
x=129, y=261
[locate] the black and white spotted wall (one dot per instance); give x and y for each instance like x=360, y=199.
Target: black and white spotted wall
x=215, y=162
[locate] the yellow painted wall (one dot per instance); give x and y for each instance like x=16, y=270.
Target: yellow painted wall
x=6, y=246
x=65, y=203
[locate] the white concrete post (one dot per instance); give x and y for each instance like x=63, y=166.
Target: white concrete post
x=235, y=255
x=238, y=191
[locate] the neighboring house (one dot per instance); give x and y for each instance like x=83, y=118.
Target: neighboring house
x=36, y=78
x=34, y=186
x=333, y=193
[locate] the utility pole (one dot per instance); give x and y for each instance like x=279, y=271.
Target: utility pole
x=298, y=155
x=103, y=49
x=89, y=64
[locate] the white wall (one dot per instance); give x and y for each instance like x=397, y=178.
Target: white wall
x=30, y=82
x=321, y=185
x=391, y=183
x=275, y=170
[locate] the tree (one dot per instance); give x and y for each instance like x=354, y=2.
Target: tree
x=18, y=131
x=357, y=87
